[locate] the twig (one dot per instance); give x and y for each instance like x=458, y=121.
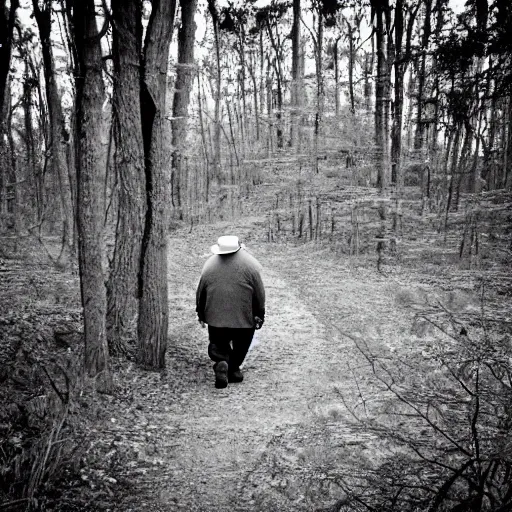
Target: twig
x=9, y=504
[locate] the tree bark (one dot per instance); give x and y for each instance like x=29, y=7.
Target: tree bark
x=15, y=179
x=401, y=62
x=30, y=148
x=420, y=126
x=380, y=11
x=336, y=77
x=368, y=70
x=399, y=65
x=154, y=305
x=381, y=96
x=7, y=17
x=296, y=90
x=277, y=64
x=507, y=149
x=242, y=79
x=122, y=288
x=203, y=138
x=351, y=63
x=436, y=85
x=183, y=85
x=319, y=83
x=216, y=157
x=252, y=73
x=89, y=160
x=58, y=134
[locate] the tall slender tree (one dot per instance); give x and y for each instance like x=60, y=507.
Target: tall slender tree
x=153, y=289
x=422, y=68
x=129, y=162
x=58, y=134
x=380, y=10
x=7, y=18
x=89, y=160
x=216, y=153
x=297, y=75
x=184, y=77
x=403, y=26
x=381, y=15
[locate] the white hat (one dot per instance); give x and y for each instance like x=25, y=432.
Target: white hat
x=226, y=245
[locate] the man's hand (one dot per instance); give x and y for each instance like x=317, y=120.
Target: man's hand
x=202, y=324
x=258, y=322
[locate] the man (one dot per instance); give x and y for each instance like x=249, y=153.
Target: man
x=230, y=298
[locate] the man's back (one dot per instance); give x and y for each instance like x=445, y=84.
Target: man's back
x=230, y=291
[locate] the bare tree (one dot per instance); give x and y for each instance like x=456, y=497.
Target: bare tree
x=7, y=19
x=216, y=154
x=58, y=135
x=183, y=85
x=297, y=75
x=420, y=122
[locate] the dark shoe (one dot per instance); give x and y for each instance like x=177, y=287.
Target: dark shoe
x=221, y=374
x=236, y=376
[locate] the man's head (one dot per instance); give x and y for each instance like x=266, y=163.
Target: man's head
x=226, y=245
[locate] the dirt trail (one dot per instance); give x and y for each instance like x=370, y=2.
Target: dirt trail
x=251, y=446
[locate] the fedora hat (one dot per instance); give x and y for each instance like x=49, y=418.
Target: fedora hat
x=226, y=245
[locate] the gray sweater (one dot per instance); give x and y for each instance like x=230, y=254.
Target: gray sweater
x=230, y=291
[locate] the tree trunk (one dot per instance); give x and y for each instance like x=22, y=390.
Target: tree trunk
x=7, y=18
x=420, y=125
x=30, y=148
x=276, y=45
x=182, y=87
x=262, y=75
x=368, y=70
x=436, y=86
x=252, y=72
x=58, y=134
x=319, y=84
x=203, y=138
x=351, y=61
x=381, y=97
x=89, y=99
x=154, y=305
x=507, y=149
x=216, y=157
x=296, y=87
x=242, y=78
x=401, y=62
x=336, y=78
x=399, y=65
x=453, y=169
x=13, y=178
x=270, y=117
x=122, y=287
x=381, y=120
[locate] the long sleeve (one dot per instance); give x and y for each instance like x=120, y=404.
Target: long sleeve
x=258, y=298
x=201, y=299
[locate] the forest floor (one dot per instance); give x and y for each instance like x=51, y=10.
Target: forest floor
x=283, y=439
x=267, y=443
x=287, y=438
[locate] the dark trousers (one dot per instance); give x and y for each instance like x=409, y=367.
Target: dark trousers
x=220, y=349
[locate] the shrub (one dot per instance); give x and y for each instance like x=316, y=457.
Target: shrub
x=443, y=427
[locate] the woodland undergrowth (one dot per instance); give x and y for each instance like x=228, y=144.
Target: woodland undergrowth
x=443, y=416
